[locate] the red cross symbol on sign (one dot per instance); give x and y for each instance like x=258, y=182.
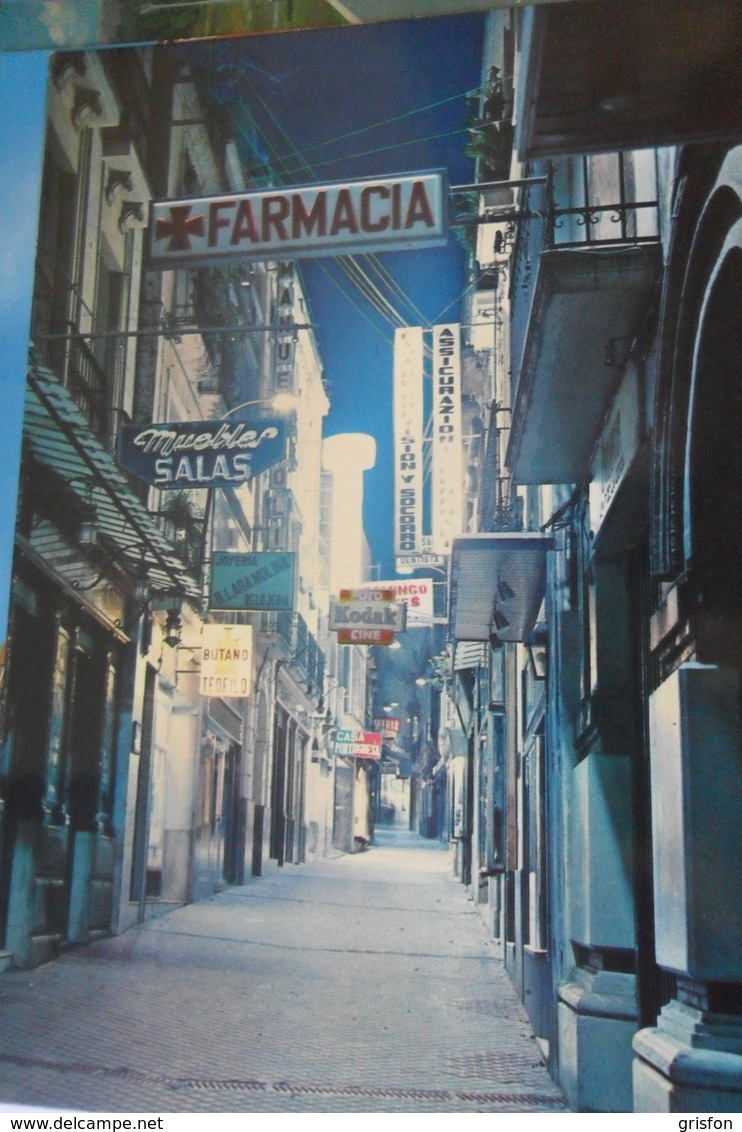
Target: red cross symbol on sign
x=180, y=227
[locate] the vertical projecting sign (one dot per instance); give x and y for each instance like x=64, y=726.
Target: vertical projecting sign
x=284, y=379
x=447, y=461
x=408, y=439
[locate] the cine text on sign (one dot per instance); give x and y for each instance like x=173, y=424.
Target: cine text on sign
x=404, y=211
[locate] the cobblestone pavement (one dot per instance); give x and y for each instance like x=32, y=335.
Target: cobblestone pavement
x=364, y=983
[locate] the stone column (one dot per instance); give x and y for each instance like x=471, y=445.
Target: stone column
x=692, y=1060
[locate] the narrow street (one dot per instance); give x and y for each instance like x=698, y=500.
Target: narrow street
x=363, y=983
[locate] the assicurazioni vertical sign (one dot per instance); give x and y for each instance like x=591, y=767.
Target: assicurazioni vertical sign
x=446, y=437
x=408, y=440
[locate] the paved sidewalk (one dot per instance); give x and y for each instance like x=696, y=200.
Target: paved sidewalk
x=365, y=983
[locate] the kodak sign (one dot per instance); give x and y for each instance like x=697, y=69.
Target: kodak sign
x=340, y=218
x=373, y=610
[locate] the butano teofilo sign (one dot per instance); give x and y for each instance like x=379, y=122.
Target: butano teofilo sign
x=226, y=661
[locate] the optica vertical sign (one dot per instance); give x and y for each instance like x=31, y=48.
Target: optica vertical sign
x=285, y=344
x=408, y=439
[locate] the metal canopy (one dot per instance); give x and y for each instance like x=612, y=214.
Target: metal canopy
x=470, y=654
x=506, y=571
x=58, y=437
x=587, y=307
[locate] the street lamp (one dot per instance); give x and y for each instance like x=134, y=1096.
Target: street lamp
x=282, y=403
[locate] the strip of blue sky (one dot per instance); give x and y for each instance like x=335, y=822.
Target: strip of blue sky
x=22, y=102
x=357, y=102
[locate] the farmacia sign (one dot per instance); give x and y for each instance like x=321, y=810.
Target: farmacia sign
x=341, y=218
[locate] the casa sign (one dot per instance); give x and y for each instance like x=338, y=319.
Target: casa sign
x=339, y=218
x=358, y=744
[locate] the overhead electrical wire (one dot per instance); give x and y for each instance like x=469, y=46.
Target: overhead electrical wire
x=468, y=289
x=364, y=314
x=348, y=264
x=386, y=122
x=380, y=149
x=360, y=278
x=358, y=269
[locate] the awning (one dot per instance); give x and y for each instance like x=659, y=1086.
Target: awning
x=587, y=307
x=458, y=743
x=58, y=437
x=470, y=654
x=503, y=572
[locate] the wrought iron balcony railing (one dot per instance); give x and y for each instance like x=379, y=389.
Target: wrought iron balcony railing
x=303, y=650
x=563, y=211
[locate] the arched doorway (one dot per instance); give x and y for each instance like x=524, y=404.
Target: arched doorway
x=713, y=499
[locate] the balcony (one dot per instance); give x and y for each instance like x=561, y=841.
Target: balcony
x=59, y=344
x=583, y=277
x=303, y=656
x=58, y=439
x=637, y=74
x=184, y=531
x=224, y=297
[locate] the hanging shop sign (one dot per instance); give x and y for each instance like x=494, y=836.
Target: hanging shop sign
x=447, y=478
x=262, y=580
x=358, y=744
x=338, y=218
x=420, y=561
x=408, y=440
x=285, y=345
x=388, y=726
x=416, y=595
x=367, y=609
x=226, y=661
x=365, y=636
x=616, y=449
x=194, y=454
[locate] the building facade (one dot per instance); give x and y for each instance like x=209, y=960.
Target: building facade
x=127, y=787
x=599, y=746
